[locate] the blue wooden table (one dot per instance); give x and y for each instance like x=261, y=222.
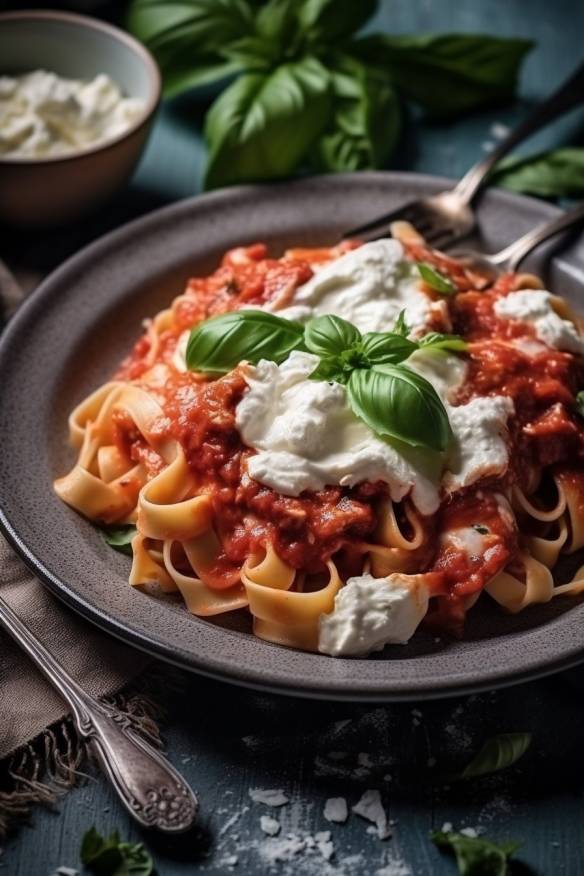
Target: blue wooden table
x=229, y=741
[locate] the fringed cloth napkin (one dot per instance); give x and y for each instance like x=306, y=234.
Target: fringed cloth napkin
x=40, y=753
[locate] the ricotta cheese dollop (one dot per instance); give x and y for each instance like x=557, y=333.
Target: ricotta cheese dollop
x=535, y=306
x=43, y=115
x=370, y=613
x=308, y=438
x=368, y=286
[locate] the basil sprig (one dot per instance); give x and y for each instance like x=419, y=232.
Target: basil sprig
x=303, y=90
x=394, y=401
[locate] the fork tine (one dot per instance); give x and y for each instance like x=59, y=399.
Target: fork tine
x=400, y=213
x=441, y=238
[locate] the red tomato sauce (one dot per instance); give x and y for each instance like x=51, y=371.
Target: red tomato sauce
x=309, y=529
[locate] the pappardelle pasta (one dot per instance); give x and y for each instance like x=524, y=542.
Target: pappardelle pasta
x=344, y=442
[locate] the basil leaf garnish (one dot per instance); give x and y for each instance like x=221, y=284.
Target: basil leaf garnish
x=498, y=753
x=476, y=856
x=222, y=342
x=330, y=369
x=580, y=402
x=435, y=279
x=330, y=335
x=401, y=327
x=396, y=402
x=437, y=341
x=381, y=348
x=119, y=538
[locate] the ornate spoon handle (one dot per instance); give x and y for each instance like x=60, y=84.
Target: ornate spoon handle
x=150, y=788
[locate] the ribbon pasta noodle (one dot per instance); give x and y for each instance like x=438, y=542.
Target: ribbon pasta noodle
x=159, y=450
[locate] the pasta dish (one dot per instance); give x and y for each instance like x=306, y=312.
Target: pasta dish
x=345, y=443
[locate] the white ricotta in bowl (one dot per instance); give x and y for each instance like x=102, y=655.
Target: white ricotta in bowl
x=43, y=115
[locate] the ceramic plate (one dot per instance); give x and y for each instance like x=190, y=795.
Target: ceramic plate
x=70, y=335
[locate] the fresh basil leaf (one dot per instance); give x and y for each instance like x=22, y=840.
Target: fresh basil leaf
x=381, y=348
x=365, y=122
x=437, y=341
x=497, y=754
x=555, y=174
x=119, y=538
x=111, y=857
x=476, y=856
x=188, y=38
x=264, y=124
x=580, y=402
x=328, y=21
x=277, y=22
x=252, y=53
x=398, y=403
x=448, y=74
x=331, y=369
x=401, y=327
x=435, y=279
x=219, y=344
x=330, y=335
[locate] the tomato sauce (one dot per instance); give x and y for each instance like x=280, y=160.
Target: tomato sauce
x=334, y=522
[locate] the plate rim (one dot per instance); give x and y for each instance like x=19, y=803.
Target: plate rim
x=163, y=650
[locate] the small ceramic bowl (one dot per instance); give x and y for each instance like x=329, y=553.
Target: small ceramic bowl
x=49, y=191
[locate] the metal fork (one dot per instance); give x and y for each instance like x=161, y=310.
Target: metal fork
x=447, y=217
x=490, y=265
x=150, y=788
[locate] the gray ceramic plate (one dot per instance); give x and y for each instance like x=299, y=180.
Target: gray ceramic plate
x=68, y=338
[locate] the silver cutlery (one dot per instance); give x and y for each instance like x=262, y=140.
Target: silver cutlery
x=447, y=217
x=511, y=256
x=150, y=788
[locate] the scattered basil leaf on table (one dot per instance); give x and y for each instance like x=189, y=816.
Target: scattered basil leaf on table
x=498, y=753
x=112, y=857
x=435, y=279
x=220, y=343
x=264, y=123
x=309, y=93
x=555, y=174
x=119, y=538
x=330, y=335
x=448, y=74
x=580, y=402
x=476, y=856
x=398, y=403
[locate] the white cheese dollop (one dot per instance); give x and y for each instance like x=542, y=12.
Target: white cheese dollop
x=535, y=306
x=43, y=115
x=370, y=613
x=368, y=286
x=308, y=438
x=478, y=446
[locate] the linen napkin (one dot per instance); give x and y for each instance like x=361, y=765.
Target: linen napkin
x=39, y=752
